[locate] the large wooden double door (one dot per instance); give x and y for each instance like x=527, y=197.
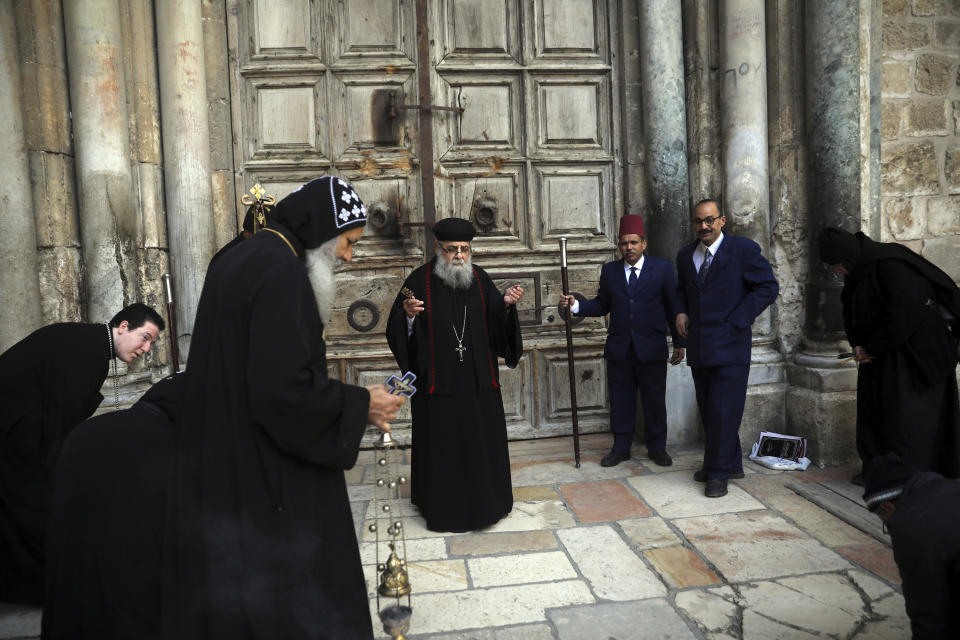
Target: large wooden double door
x=321, y=86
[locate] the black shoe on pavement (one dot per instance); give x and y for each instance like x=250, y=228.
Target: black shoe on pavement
x=701, y=476
x=661, y=458
x=715, y=488
x=614, y=458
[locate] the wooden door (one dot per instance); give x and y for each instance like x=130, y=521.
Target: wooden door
x=319, y=87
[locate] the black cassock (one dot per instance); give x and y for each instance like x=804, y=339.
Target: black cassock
x=261, y=541
x=49, y=383
x=105, y=541
x=460, y=475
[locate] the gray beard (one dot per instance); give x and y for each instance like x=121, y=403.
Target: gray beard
x=320, y=265
x=454, y=276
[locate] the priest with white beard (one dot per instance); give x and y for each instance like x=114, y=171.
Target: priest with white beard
x=449, y=325
x=259, y=540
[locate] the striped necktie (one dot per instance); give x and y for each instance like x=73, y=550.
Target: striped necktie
x=707, y=259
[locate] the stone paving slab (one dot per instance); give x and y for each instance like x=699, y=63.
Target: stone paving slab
x=534, y=493
x=426, y=577
x=520, y=632
x=826, y=604
x=416, y=550
x=620, y=621
x=681, y=567
x=757, y=545
x=677, y=495
x=518, y=569
x=603, y=501
x=715, y=611
x=552, y=472
x=613, y=570
x=875, y=557
x=485, y=544
x=531, y=516
x=648, y=533
x=494, y=607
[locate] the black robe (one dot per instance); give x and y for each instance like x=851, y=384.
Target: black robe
x=460, y=473
x=49, y=383
x=907, y=401
x=104, y=546
x=260, y=538
x=926, y=546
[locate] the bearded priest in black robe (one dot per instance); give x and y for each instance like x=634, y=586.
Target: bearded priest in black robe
x=260, y=541
x=449, y=325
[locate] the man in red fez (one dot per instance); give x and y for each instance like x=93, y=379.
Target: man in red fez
x=639, y=293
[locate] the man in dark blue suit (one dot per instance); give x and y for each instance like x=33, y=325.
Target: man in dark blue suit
x=724, y=284
x=639, y=293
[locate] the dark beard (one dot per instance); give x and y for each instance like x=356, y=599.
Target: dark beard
x=454, y=276
x=321, y=263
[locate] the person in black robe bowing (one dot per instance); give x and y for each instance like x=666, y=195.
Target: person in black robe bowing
x=260, y=541
x=449, y=325
x=900, y=312
x=49, y=383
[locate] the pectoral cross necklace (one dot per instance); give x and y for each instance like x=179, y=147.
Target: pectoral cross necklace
x=460, y=348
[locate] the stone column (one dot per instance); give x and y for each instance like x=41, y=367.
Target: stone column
x=19, y=286
x=186, y=152
x=701, y=58
x=43, y=70
x=746, y=194
x=822, y=401
x=664, y=125
x=108, y=215
x=743, y=63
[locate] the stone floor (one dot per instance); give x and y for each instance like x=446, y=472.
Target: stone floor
x=632, y=551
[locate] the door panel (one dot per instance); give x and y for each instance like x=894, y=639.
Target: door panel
x=319, y=87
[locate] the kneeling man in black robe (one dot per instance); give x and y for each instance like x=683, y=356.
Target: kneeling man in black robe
x=259, y=537
x=49, y=383
x=449, y=325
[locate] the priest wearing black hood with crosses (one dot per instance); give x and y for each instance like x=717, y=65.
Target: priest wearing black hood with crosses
x=449, y=325
x=259, y=536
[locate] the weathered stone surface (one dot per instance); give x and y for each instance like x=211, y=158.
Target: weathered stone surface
x=951, y=169
x=947, y=34
x=903, y=36
x=497, y=606
x=714, y=610
x=828, y=604
x=943, y=215
x=532, y=494
x=890, y=120
x=895, y=78
x=518, y=569
x=520, y=632
x=903, y=221
x=479, y=544
x=620, y=620
x=613, y=570
x=943, y=252
x=910, y=169
x=923, y=8
x=603, y=501
x=757, y=545
x=415, y=550
x=894, y=7
x=757, y=626
x=681, y=567
x=934, y=74
x=677, y=495
x=956, y=116
x=928, y=118
x=648, y=533
x=18, y=621
x=828, y=420
x=874, y=557
x=426, y=576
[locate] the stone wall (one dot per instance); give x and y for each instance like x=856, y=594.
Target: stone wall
x=920, y=158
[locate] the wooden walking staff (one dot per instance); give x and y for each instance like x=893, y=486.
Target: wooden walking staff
x=171, y=325
x=573, y=384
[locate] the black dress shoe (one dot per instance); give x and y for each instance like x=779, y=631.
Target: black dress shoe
x=614, y=458
x=715, y=488
x=661, y=458
x=701, y=476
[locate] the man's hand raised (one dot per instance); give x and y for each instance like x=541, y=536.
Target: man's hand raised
x=383, y=406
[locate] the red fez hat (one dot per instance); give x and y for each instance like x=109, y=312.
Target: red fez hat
x=630, y=224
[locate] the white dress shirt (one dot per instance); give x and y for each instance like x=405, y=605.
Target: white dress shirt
x=700, y=253
x=575, y=307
